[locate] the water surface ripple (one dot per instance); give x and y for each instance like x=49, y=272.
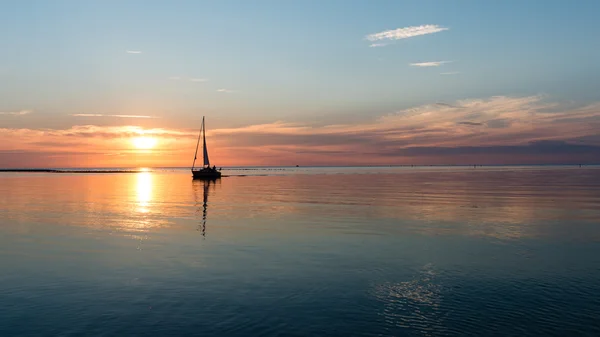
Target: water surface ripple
x=442, y=251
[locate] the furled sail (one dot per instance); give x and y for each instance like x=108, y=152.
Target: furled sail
x=206, y=161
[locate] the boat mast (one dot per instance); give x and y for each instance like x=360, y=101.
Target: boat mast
x=197, y=144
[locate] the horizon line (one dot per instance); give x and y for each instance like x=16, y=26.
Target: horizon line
x=141, y=169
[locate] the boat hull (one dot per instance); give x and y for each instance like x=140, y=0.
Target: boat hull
x=206, y=174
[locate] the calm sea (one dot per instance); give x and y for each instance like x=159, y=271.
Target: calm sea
x=440, y=251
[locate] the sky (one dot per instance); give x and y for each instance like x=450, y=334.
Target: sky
x=126, y=83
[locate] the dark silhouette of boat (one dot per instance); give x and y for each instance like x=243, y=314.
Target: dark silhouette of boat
x=206, y=172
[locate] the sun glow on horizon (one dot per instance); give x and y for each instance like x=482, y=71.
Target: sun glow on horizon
x=144, y=143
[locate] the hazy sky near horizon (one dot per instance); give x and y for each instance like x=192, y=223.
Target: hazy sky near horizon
x=307, y=82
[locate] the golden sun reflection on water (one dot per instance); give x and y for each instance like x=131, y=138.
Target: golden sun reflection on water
x=145, y=212
x=503, y=205
x=144, y=191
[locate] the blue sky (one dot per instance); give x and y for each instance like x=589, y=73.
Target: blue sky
x=242, y=63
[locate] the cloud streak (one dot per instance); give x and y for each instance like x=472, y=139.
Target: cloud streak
x=16, y=113
x=429, y=64
x=477, y=130
x=494, y=130
x=133, y=51
x=116, y=116
x=405, y=33
x=227, y=91
x=89, y=139
x=92, y=146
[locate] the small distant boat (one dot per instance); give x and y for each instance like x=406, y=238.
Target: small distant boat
x=206, y=172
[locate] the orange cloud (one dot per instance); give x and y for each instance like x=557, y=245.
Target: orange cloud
x=510, y=129
x=89, y=146
x=497, y=130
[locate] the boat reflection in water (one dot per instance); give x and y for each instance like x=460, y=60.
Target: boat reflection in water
x=205, y=185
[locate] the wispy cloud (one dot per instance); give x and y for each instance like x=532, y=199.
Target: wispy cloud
x=117, y=116
x=16, y=113
x=488, y=130
x=133, y=51
x=374, y=45
x=450, y=73
x=405, y=33
x=193, y=79
x=470, y=123
x=89, y=145
x=499, y=129
x=226, y=91
x=20, y=138
x=117, y=132
x=429, y=64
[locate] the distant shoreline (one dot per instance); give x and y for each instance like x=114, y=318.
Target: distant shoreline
x=67, y=171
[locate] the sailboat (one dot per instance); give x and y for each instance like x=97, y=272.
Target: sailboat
x=206, y=172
